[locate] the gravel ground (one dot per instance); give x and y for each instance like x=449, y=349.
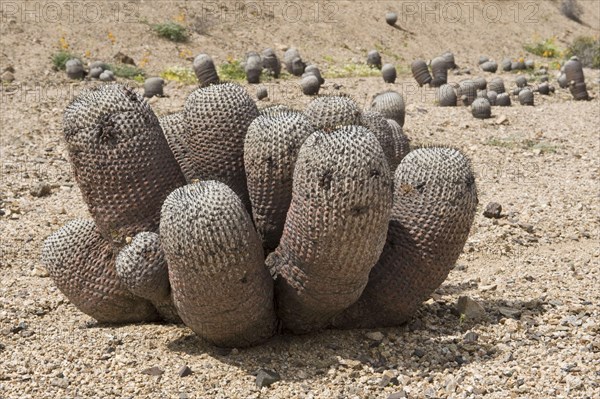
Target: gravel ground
x=533, y=274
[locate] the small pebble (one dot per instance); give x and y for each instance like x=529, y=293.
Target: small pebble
x=155, y=371
x=184, y=371
x=40, y=189
x=493, y=210
x=265, y=377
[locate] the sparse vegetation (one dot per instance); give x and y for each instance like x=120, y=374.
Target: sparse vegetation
x=179, y=74
x=128, y=72
x=171, y=31
x=527, y=144
x=545, y=48
x=233, y=70
x=59, y=59
x=351, y=71
x=587, y=49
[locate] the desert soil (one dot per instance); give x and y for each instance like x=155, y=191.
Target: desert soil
x=535, y=270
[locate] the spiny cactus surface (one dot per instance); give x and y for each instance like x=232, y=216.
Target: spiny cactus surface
x=221, y=289
x=435, y=199
x=270, y=153
x=391, y=105
x=335, y=227
x=116, y=147
x=173, y=128
x=329, y=112
x=216, y=119
x=82, y=265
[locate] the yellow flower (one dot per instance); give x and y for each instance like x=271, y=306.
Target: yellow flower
x=180, y=17
x=63, y=43
x=112, y=37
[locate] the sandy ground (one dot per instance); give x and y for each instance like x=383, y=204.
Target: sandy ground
x=535, y=271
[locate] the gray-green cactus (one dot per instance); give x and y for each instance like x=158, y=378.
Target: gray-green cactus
x=391, y=105
x=221, y=289
x=205, y=70
x=420, y=72
x=116, y=146
x=82, y=265
x=481, y=108
x=335, y=227
x=329, y=112
x=173, y=127
x=446, y=96
x=435, y=199
x=388, y=72
x=216, y=119
x=142, y=268
x=270, y=151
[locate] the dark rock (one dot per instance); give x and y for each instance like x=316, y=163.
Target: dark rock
x=184, y=371
x=124, y=59
x=19, y=327
x=397, y=395
x=509, y=312
x=493, y=210
x=471, y=337
x=470, y=308
x=418, y=353
x=265, y=377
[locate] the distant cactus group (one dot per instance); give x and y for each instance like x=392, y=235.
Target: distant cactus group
x=239, y=222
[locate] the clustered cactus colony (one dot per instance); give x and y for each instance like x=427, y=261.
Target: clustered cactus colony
x=243, y=223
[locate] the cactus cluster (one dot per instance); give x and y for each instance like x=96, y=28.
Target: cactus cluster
x=242, y=223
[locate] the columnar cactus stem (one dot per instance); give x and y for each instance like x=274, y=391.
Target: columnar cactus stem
x=335, y=227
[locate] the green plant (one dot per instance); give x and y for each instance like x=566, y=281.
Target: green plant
x=527, y=144
x=351, y=71
x=128, y=72
x=545, y=48
x=59, y=59
x=171, y=31
x=587, y=49
x=179, y=74
x=232, y=70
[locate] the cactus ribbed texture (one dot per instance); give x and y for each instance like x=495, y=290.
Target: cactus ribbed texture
x=497, y=85
x=142, y=268
x=221, y=289
x=449, y=57
x=503, y=100
x=480, y=83
x=492, y=96
x=271, y=63
x=391, y=105
x=293, y=62
x=481, y=108
x=329, y=112
x=216, y=119
x=275, y=110
x=173, y=127
x=270, y=151
x=82, y=265
x=446, y=96
x=526, y=97
x=575, y=79
x=483, y=59
x=420, y=72
x=544, y=88
x=388, y=72
x=205, y=70
x=467, y=91
x=335, y=227
x=435, y=199
x=401, y=144
x=374, y=59
x=253, y=68
x=379, y=126
x=439, y=70
x=506, y=65
x=116, y=146
x=521, y=81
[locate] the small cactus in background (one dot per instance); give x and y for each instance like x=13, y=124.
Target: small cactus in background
x=483, y=59
x=544, y=88
x=521, y=81
x=497, y=85
x=153, y=87
x=503, y=100
x=420, y=72
x=293, y=62
x=391, y=105
x=310, y=85
x=439, y=70
x=506, y=65
x=391, y=18
x=446, y=96
x=480, y=83
x=575, y=79
x=205, y=70
x=492, y=96
x=526, y=97
x=314, y=70
x=107, y=76
x=262, y=93
x=374, y=59
x=388, y=72
x=481, y=108
x=467, y=91
x=489, y=66
x=449, y=57
x=74, y=69
x=271, y=63
x=253, y=67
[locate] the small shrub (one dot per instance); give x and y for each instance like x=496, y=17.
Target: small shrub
x=351, y=71
x=179, y=74
x=587, y=49
x=545, y=48
x=128, y=72
x=59, y=60
x=231, y=70
x=171, y=31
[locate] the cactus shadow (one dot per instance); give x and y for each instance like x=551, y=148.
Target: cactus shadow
x=433, y=340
